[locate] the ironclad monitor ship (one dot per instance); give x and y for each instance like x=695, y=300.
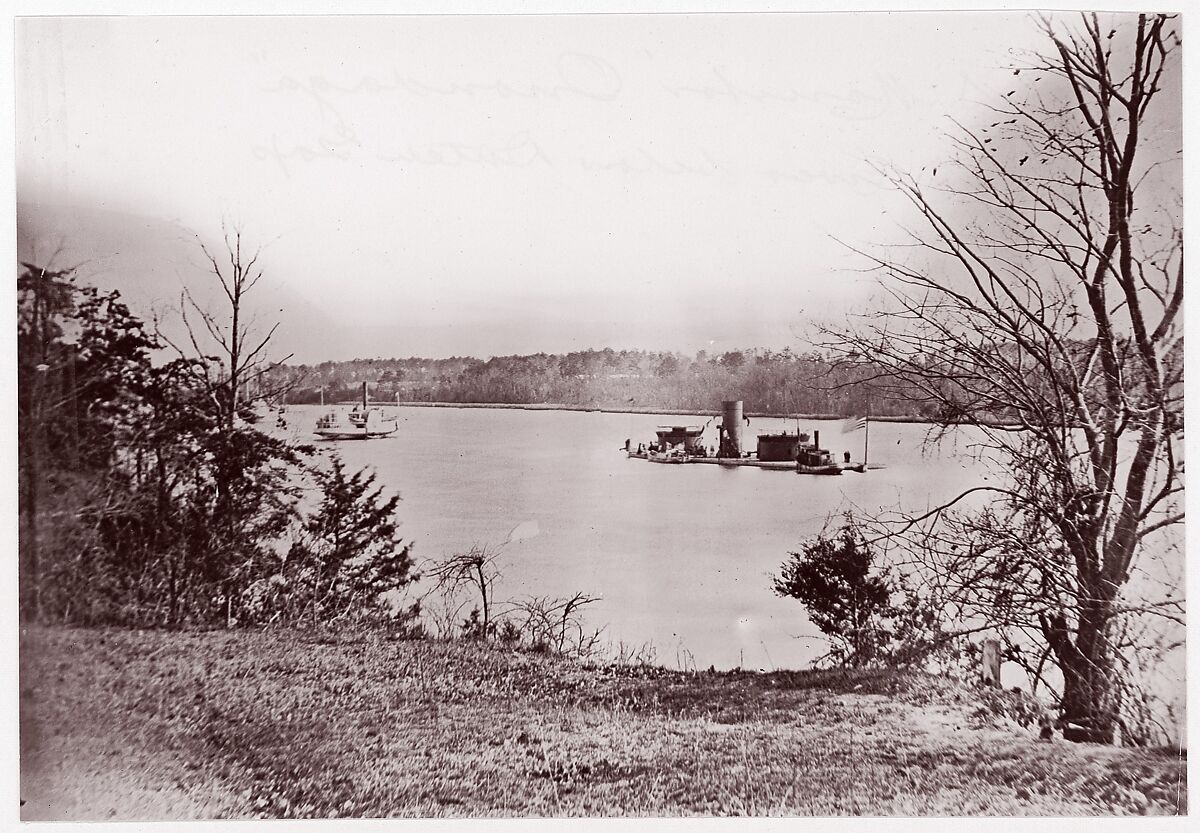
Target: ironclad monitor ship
x=782, y=451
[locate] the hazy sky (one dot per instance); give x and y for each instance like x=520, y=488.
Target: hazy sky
x=489, y=185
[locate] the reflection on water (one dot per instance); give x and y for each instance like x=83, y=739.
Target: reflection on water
x=682, y=555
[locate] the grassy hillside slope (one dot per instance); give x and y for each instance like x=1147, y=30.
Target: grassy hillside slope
x=145, y=725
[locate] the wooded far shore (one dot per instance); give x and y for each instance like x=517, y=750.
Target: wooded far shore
x=775, y=383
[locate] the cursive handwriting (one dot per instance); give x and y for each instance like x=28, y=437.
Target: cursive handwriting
x=519, y=152
x=854, y=104
x=576, y=76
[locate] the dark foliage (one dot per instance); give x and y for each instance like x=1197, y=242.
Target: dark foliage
x=846, y=598
x=144, y=500
x=349, y=556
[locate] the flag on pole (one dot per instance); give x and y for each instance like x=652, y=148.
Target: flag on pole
x=854, y=424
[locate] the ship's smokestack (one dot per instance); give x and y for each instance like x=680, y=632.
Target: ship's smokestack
x=364, y=396
x=817, y=440
x=731, y=429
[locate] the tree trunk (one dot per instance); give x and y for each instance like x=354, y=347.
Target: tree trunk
x=1091, y=701
x=484, y=593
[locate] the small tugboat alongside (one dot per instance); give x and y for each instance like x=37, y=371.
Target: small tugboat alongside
x=816, y=460
x=362, y=423
x=782, y=451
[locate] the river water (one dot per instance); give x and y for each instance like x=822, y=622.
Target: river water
x=681, y=556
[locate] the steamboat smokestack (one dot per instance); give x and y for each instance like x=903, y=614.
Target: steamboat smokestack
x=731, y=429
x=364, y=396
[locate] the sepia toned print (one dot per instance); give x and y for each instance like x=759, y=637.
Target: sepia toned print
x=600, y=415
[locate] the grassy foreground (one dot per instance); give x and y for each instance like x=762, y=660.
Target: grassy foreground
x=236, y=724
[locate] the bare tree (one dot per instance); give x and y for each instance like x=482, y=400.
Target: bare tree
x=476, y=570
x=241, y=360
x=249, y=473
x=1040, y=305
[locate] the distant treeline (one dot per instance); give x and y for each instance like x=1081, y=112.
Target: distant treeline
x=768, y=382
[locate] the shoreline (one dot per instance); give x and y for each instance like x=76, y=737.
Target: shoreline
x=549, y=406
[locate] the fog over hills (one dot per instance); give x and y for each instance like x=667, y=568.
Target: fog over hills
x=150, y=260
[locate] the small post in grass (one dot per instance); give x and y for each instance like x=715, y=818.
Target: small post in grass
x=991, y=662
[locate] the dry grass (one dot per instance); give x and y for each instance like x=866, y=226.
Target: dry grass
x=155, y=725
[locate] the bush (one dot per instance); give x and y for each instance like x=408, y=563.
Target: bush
x=349, y=560
x=846, y=597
